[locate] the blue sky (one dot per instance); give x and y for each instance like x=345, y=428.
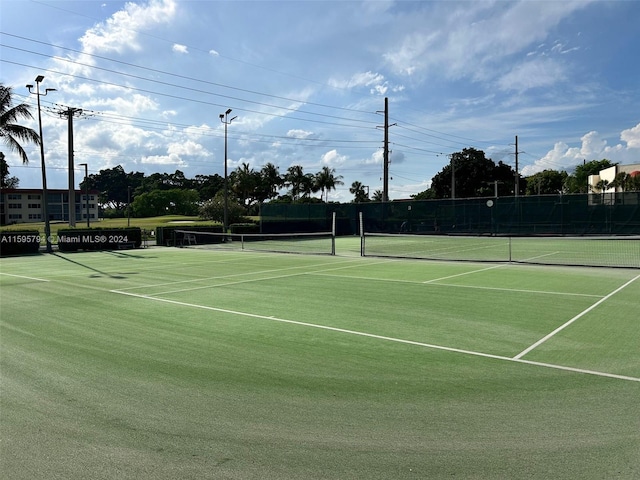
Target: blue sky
x=307, y=82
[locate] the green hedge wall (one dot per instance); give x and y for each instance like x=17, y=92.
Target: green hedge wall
x=20, y=242
x=74, y=239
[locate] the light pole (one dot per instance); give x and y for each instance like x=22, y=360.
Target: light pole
x=45, y=212
x=224, y=118
x=128, y=205
x=86, y=188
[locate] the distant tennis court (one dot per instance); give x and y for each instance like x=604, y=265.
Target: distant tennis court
x=202, y=362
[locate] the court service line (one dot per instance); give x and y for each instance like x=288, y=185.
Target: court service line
x=237, y=282
x=22, y=276
x=581, y=314
x=522, y=290
x=203, y=278
x=464, y=273
x=381, y=337
x=248, y=280
x=453, y=285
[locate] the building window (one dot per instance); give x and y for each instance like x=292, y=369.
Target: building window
x=14, y=196
x=35, y=205
x=15, y=205
x=33, y=197
x=35, y=216
x=15, y=216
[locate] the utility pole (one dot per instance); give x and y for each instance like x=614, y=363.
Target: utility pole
x=385, y=173
x=70, y=112
x=385, y=168
x=517, y=174
x=453, y=177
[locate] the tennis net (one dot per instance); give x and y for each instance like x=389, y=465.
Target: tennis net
x=322, y=243
x=614, y=251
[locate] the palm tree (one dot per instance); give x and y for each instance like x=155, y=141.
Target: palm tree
x=295, y=180
x=360, y=195
x=621, y=181
x=378, y=196
x=326, y=180
x=270, y=181
x=11, y=132
x=602, y=186
x=309, y=185
x=244, y=182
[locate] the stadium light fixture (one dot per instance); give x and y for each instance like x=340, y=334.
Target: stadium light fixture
x=45, y=209
x=224, y=118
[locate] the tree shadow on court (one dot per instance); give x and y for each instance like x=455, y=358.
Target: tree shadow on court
x=98, y=273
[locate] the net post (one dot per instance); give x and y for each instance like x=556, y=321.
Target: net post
x=333, y=233
x=510, y=257
x=361, y=224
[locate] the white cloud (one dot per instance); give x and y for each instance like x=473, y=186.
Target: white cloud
x=121, y=31
x=171, y=159
x=214, y=53
x=333, y=158
x=299, y=134
x=180, y=48
x=188, y=148
x=376, y=82
x=592, y=147
x=473, y=39
x=632, y=137
x=539, y=72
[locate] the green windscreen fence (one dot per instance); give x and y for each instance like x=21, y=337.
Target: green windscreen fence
x=580, y=214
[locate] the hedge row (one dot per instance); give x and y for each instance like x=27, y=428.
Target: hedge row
x=74, y=239
x=20, y=242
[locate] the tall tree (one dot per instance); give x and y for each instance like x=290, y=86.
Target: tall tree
x=295, y=180
x=474, y=175
x=244, y=182
x=114, y=184
x=270, y=182
x=579, y=181
x=6, y=180
x=359, y=193
x=309, y=185
x=208, y=185
x=327, y=180
x=11, y=132
x=547, y=182
x=175, y=201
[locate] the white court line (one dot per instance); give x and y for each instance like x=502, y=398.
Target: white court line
x=464, y=273
x=565, y=325
x=522, y=290
x=453, y=285
x=22, y=276
x=382, y=337
x=237, y=282
x=201, y=279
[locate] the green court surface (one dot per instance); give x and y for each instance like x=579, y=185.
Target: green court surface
x=170, y=363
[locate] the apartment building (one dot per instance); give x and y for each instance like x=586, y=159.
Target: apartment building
x=25, y=205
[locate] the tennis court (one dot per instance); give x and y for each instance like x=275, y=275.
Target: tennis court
x=199, y=363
